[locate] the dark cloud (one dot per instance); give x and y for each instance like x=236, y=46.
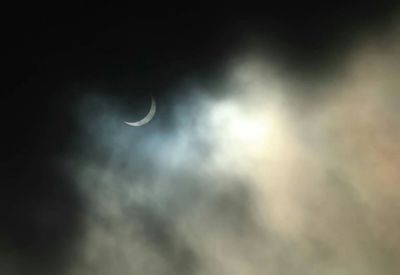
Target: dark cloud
x=41, y=210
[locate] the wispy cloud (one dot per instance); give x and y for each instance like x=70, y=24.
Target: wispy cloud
x=261, y=179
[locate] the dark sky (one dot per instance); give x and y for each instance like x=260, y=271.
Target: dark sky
x=149, y=50
x=128, y=53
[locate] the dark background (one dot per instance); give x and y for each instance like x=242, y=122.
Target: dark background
x=125, y=50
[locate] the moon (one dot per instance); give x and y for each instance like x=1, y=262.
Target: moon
x=147, y=118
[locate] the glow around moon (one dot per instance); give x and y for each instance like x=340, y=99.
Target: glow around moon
x=147, y=118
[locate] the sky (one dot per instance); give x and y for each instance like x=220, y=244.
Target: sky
x=273, y=150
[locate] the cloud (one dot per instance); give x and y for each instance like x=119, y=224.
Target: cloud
x=260, y=179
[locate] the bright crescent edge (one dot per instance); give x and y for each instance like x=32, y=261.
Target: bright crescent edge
x=147, y=118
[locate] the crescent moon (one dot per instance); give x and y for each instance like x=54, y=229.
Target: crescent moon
x=147, y=118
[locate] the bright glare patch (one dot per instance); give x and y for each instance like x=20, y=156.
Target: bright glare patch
x=237, y=125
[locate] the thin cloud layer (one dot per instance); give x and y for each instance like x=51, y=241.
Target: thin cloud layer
x=261, y=179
